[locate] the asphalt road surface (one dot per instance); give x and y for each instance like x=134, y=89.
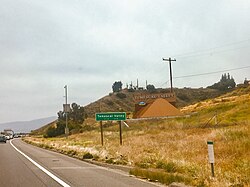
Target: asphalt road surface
x=25, y=165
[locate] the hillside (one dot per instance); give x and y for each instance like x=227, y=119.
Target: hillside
x=174, y=150
x=123, y=101
x=43, y=129
x=237, y=98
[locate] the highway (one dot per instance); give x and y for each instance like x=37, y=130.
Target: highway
x=22, y=164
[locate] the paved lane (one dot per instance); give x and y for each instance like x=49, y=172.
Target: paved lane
x=72, y=171
x=18, y=171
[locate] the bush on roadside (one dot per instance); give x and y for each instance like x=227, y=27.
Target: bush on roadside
x=154, y=175
x=170, y=167
x=87, y=156
x=54, y=131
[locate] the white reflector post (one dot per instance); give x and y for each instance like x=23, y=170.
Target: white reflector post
x=210, y=145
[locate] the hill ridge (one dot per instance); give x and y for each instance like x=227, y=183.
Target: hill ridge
x=123, y=100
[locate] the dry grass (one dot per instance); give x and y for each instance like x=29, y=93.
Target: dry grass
x=175, y=149
x=158, y=144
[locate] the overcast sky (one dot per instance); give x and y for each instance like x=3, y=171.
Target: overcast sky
x=90, y=44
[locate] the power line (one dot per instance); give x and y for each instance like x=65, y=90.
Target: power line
x=212, y=50
x=164, y=83
x=210, y=53
x=205, y=52
x=209, y=73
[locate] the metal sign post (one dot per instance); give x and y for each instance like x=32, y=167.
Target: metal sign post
x=210, y=145
x=101, y=132
x=111, y=116
x=120, y=127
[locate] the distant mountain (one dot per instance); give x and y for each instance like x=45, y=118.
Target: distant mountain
x=26, y=126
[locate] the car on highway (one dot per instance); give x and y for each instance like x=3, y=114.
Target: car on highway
x=7, y=137
x=2, y=138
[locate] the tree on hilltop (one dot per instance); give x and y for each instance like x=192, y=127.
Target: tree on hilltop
x=226, y=82
x=117, y=86
x=150, y=87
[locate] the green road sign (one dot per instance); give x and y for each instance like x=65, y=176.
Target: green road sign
x=110, y=116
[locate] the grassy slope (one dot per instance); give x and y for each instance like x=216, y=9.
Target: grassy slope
x=112, y=102
x=43, y=129
x=175, y=149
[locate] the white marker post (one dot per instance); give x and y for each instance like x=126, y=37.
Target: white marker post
x=210, y=145
x=125, y=124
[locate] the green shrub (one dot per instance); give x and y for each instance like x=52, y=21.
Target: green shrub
x=71, y=152
x=170, y=167
x=86, y=128
x=183, y=97
x=87, y=156
x=55, y=131
x=121, y=95
x=143, y=164
x=165, y=178
x=110, y=161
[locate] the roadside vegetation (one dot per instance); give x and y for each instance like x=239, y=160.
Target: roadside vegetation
x=173, y=150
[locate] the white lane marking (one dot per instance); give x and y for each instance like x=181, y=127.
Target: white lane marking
x=73, y=167
x=41, y=168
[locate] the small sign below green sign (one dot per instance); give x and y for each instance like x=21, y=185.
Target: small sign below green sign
x=110, y=116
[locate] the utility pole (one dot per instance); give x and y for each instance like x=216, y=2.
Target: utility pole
x=66, y=108
x=170, y=69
